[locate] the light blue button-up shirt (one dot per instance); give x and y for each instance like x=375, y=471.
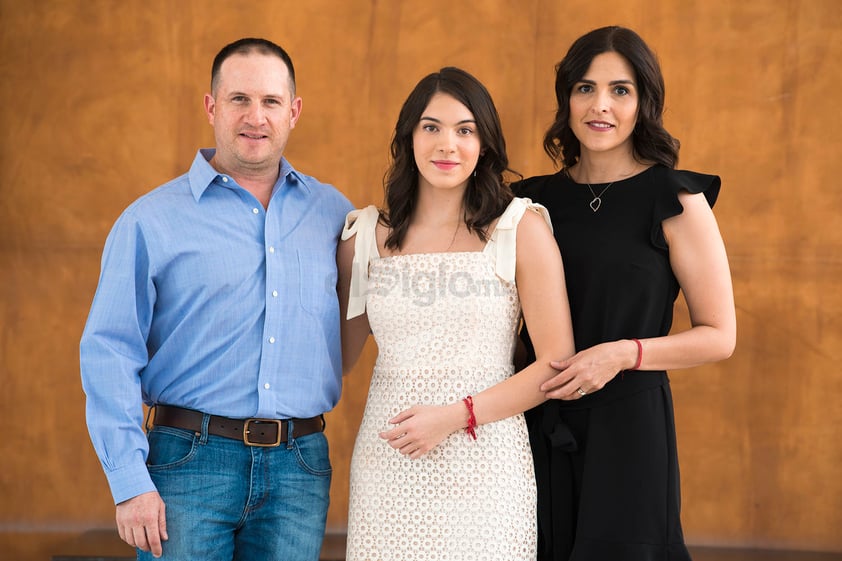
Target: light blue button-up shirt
x=207, y=300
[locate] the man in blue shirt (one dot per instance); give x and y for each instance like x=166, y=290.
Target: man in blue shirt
x=217, y=308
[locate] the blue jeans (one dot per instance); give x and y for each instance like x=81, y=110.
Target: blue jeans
x=226, y=501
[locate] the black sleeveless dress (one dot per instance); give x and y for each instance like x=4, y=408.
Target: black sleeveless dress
x=606, y=464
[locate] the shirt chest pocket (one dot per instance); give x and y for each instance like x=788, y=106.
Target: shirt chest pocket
x=317, y=280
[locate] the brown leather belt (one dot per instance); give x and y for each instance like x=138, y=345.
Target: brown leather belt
x=252, y=432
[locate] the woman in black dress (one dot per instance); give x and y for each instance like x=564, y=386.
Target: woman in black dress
x=633, y=231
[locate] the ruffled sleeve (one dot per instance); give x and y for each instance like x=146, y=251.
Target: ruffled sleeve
x=667, y=205
x=362, y=224
x=501, y=248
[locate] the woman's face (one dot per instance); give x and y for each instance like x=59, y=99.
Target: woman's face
x=446, y=144
x=603, y=106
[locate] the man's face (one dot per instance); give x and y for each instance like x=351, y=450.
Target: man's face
x=252, y=113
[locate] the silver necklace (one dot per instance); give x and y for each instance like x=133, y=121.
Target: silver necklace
x=596, y=202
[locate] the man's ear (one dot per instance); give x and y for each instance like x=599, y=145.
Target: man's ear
x=210, y=106
x=295, y=111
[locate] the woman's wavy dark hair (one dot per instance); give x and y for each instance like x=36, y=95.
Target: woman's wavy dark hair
x=650, y=139
x=487, y=194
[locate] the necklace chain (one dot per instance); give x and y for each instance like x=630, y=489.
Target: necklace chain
x=596, y=202
x=452, y=241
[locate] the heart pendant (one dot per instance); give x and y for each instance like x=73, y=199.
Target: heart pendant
x=595, y=204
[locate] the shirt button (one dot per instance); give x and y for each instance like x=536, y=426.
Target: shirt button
x=271, y=249
x=224, y=179
x=271, y=339
x=274, y=294
x=266, y=386
x=255, y=211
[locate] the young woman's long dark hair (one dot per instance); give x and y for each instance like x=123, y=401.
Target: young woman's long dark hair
x=650, y=139
x=487, y=195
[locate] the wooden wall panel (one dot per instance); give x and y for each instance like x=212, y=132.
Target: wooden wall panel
x=100, y=101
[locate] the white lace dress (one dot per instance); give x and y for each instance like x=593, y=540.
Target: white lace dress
x=445, y=326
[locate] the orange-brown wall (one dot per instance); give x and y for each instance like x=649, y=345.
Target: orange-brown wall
x=100, y=101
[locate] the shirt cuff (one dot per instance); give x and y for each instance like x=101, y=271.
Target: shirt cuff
x=129, y=481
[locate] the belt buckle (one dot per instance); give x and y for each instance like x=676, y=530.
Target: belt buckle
x=248, y=442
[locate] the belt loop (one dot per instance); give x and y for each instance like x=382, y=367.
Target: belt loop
x=290, y=437
x=203, y=438
x=148, y=416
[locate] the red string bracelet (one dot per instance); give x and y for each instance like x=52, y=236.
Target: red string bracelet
x=472, y=420
x=639, y=354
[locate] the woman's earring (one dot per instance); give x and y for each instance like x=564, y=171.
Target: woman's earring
x=475, y=172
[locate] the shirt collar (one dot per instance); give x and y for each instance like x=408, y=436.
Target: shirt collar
x=202, y=174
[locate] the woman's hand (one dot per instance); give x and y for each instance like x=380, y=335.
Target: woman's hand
x=421, y=428
x=588, y=371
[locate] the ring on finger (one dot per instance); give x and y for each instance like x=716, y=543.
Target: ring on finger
x=581, y=392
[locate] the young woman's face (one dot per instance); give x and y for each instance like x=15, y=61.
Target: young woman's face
x=446, y=144
x=604, y=104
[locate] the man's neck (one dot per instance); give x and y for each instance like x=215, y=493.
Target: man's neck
x=258, y=182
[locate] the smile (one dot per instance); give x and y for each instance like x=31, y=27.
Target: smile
x=445, y=165
x=599, y=125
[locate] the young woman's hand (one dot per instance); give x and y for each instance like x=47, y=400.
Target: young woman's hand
x=421, y=428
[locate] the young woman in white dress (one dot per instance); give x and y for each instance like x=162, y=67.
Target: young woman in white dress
x=441, y=277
